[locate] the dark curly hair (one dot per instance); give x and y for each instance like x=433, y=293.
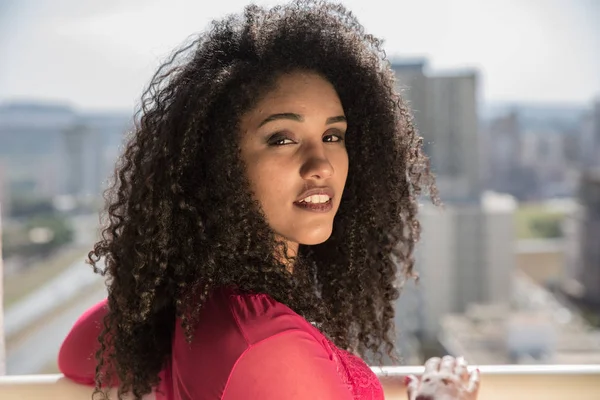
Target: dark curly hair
x=181, y=219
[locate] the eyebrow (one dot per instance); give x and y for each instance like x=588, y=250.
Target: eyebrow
x=299, y=118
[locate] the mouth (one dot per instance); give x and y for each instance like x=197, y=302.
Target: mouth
x=316, y=200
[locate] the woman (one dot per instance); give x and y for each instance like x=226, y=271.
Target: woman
x=259, y=213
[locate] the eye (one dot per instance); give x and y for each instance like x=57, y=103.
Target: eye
x=279, y=139
x=335, y=136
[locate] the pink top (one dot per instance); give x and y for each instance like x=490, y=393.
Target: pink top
x=245, y=347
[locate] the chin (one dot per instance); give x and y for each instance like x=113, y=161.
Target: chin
x=315, y=237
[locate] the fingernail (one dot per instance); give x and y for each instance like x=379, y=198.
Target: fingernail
x=407, y=380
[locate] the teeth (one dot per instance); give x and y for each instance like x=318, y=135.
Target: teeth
x=316, y=198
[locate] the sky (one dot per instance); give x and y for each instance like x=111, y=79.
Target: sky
x=99, y=55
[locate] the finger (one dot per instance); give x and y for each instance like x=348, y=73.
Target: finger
x=447, y=364
x=460, y=369
x=473, y=386
x=433, y=364
x=412, y=384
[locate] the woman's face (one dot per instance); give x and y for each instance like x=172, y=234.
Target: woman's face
x=293, y=146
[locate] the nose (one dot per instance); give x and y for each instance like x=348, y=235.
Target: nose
x=316, y=165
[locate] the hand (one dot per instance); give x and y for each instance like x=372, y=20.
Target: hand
x=444, y=379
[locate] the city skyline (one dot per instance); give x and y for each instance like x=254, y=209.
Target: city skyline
x=102, y=56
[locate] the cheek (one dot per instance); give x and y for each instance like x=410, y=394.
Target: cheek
x=341, y=166
x=269, y=181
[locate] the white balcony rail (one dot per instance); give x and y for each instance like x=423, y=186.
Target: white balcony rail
x=514, y=382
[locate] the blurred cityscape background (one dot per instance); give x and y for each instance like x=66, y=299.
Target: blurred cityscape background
x=505, y=93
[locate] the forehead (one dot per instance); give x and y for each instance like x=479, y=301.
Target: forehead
x=301, y=91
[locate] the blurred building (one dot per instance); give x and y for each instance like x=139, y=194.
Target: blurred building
x=534, y=328
x=465, y=257
x=537, y=151
x=543, y=260
x=590, y=137
x=445, y=110
x=544, y=153
x=84, y=161
x=412, y=84
x=4, y=195
x=454, y=125
x=589, y=237
x=50, y=150
x=75, y=138
x=31, y=147
x=503, y=152
x=109, y=131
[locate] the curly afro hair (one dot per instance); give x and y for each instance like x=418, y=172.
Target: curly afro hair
x=180, y=217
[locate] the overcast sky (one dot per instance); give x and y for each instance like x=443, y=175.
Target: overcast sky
x=101, y=54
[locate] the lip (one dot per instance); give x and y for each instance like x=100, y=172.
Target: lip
x=320, y=207
x=319, y=190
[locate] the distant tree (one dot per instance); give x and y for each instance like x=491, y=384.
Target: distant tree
x=547, y=227
x=59, y=232
x=24, y=206
x=37, y=237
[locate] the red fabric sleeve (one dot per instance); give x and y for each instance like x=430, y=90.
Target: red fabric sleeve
x=77, y=355
x=292, y=365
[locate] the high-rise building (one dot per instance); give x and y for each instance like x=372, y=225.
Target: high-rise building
x=596, y=131
x=106, y=133
x=589, y=236
x=589, y=137
x=445, y=111
x=83, y=161
x=465, y=257
x=4, y=195
x=452, y=119
x=502, y=149
x=412, y=84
